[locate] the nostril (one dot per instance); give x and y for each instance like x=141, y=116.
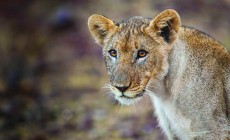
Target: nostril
x=122, y=89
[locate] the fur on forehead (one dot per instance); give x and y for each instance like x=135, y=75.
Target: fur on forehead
x=127, y=31
x=134, y=25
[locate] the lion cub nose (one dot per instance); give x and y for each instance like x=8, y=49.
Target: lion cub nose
x=122, y=89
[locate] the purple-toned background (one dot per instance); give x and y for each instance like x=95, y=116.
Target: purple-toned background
x=51, y=71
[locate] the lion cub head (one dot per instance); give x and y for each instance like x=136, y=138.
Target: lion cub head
x=135, y=51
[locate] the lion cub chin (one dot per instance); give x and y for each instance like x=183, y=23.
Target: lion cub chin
x=184, y=72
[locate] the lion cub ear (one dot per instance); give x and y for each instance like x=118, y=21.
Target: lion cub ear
x=165, y=25
x=101, y=28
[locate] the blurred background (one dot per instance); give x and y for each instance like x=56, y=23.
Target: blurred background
x=51, y=71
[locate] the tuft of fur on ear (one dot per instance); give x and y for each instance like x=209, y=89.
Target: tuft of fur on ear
x=165, y=25
x=101, y=28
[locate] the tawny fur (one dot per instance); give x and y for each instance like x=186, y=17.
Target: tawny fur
x=186, y=73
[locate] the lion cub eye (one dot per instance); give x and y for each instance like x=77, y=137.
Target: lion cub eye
x=113, y=53
x=141, y=53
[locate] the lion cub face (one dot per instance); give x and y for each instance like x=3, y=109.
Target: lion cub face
x=134, y=51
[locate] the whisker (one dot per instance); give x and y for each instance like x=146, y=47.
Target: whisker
x=107, y=94
x=118, y=106
x=148, y=91
x=150, y=87
x=105, y=89
x=133, y=103
x=145, y=97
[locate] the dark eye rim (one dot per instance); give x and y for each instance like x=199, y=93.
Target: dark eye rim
x=110, y=52
x=138, y=56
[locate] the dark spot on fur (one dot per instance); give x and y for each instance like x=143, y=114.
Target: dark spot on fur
x=100, y=31
x=103, y=33
x=96, y=26
x=127, y=38
x=165, y=33
x=136, y=45
x=115, y=23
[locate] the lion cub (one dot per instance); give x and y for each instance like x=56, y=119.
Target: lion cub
x=185, y=73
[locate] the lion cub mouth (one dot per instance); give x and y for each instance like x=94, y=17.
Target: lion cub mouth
x=128, y=98
x=136, y=96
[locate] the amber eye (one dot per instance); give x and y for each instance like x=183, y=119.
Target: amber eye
x=113, y=53
x=141, y=53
